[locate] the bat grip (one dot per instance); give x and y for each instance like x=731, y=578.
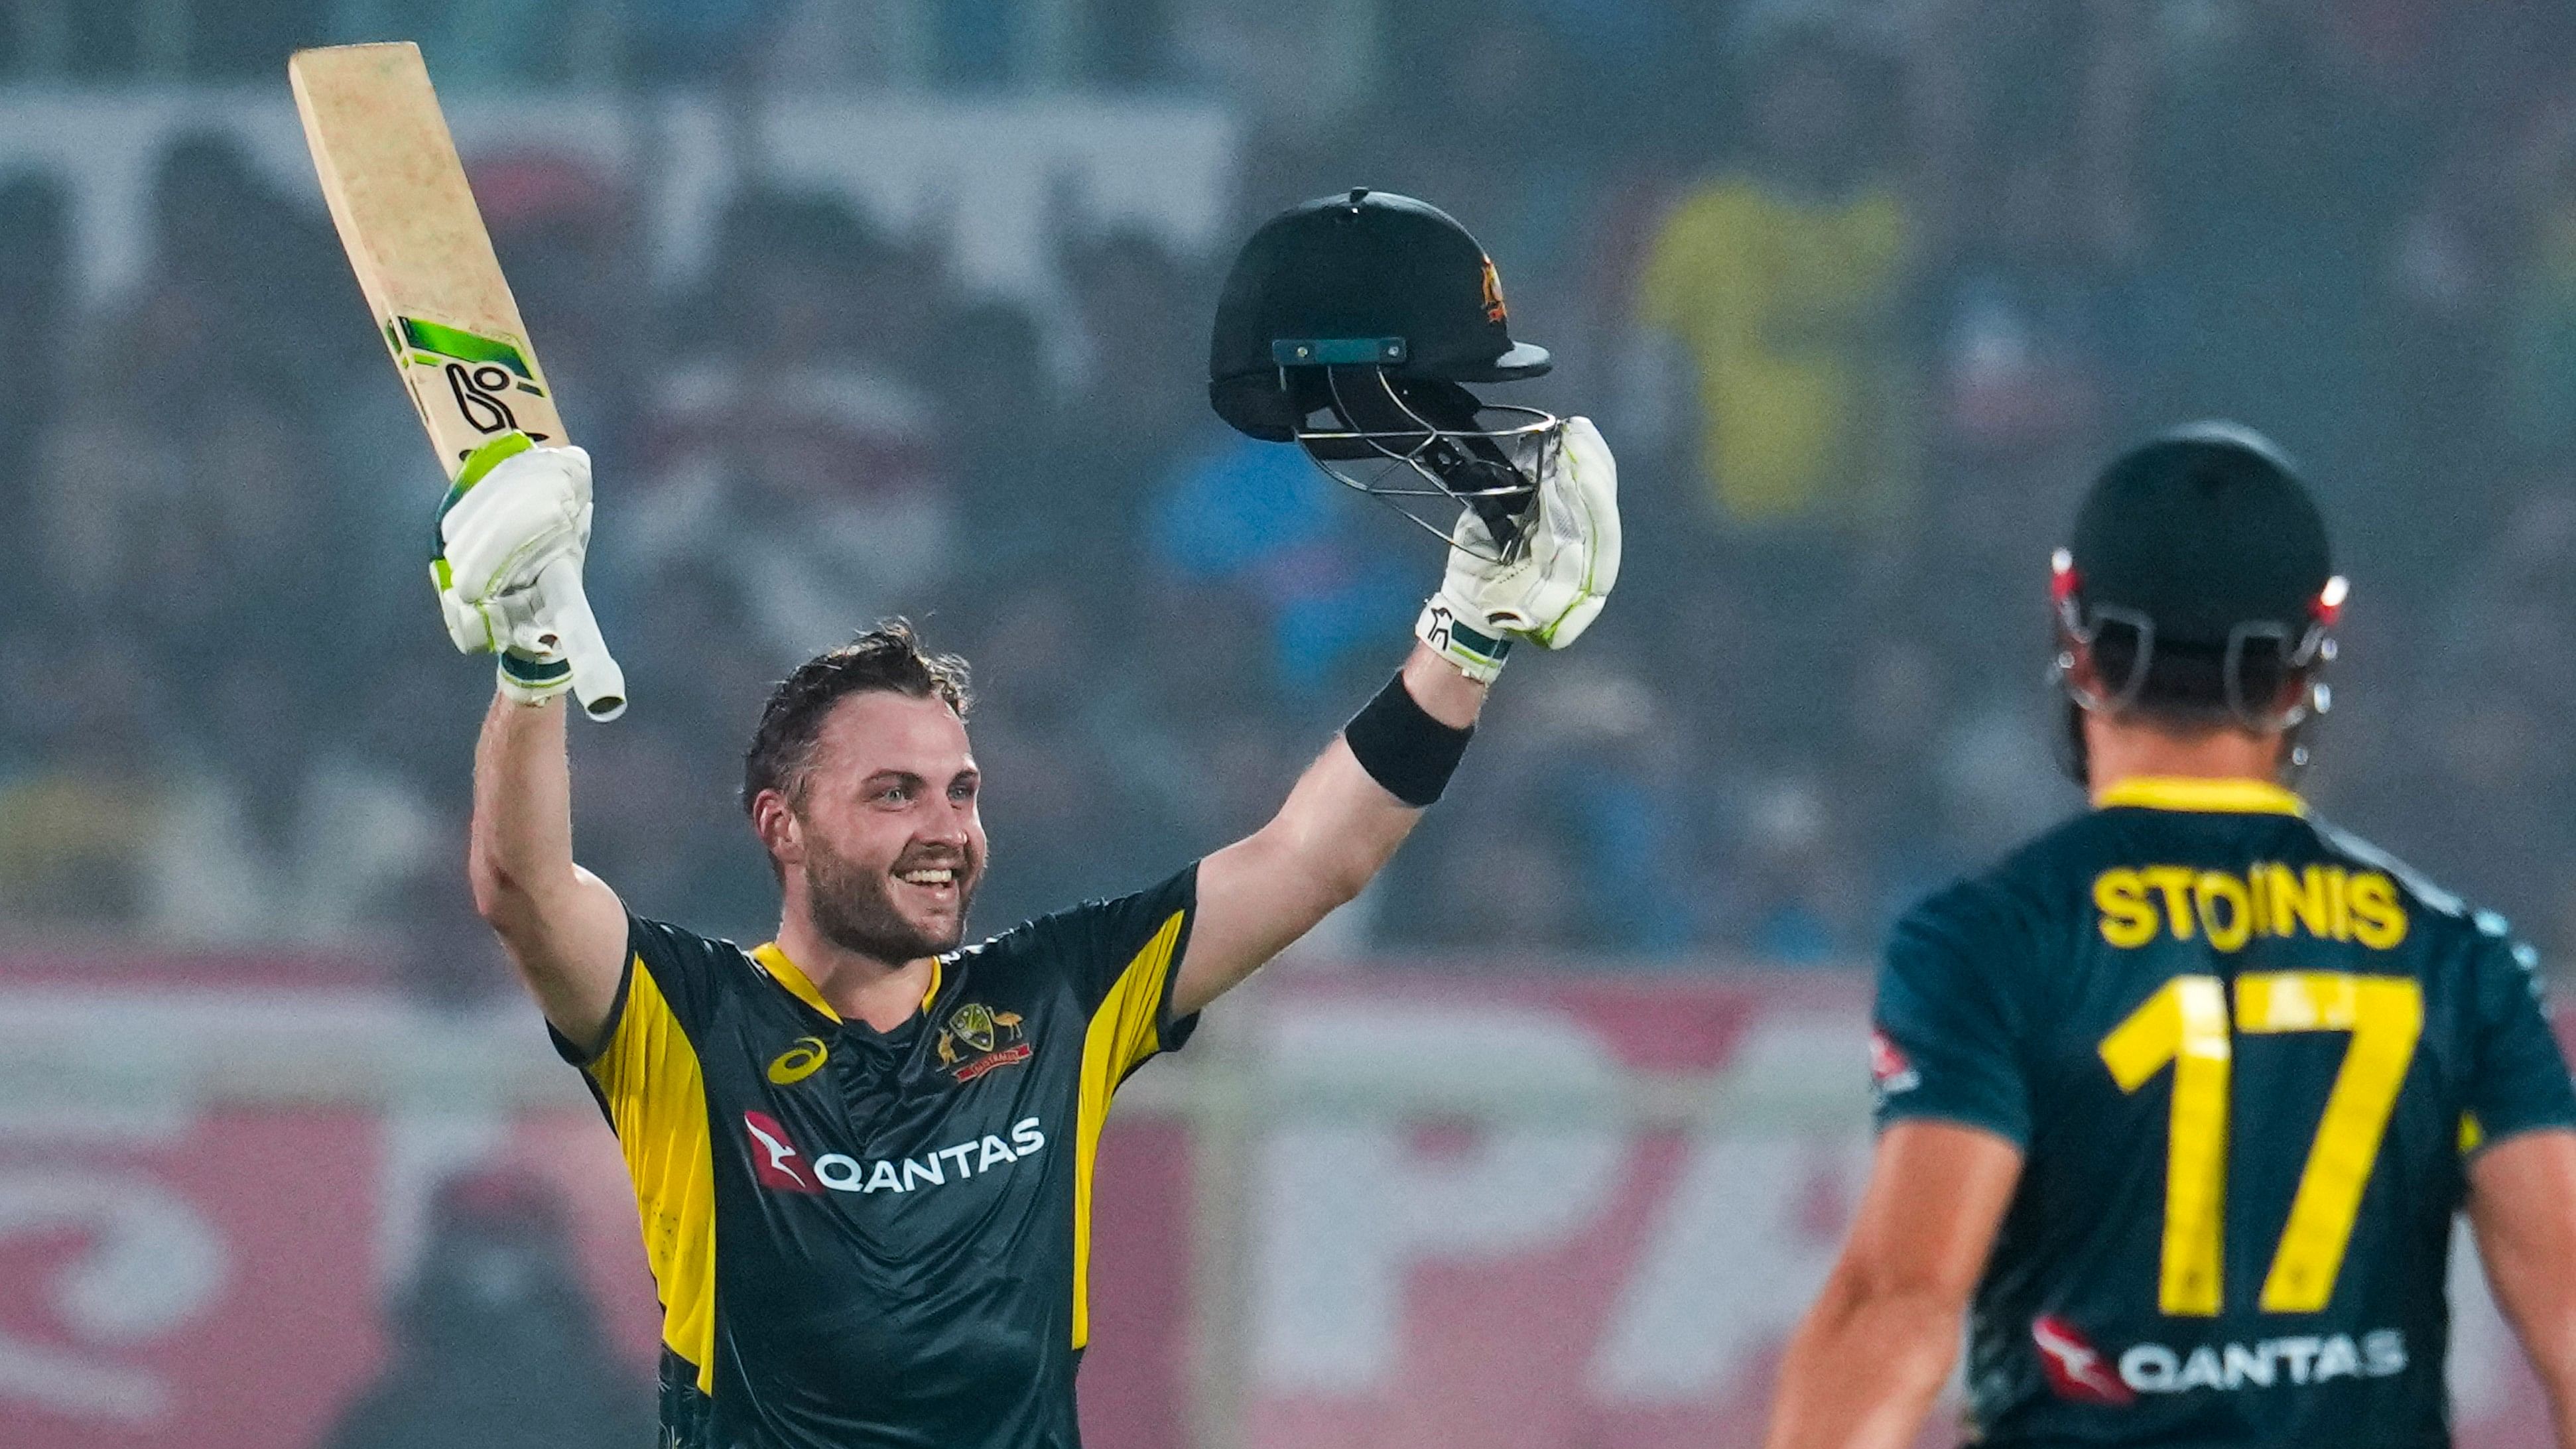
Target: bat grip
x=596, y=680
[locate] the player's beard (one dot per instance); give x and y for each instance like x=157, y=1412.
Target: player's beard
x=853, y=906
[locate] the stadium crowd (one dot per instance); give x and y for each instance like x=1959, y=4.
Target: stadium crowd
x=1858, y=297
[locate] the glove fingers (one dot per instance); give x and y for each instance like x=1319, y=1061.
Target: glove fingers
x=1576, y=620
x=1591, y=493
x=465, y=624
x=520, y=517
x=1553, y=589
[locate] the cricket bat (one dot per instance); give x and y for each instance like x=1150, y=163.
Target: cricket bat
x=417, y=242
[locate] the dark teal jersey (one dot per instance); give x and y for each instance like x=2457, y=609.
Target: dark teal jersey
x=867, y=1239
x=2245, y=1058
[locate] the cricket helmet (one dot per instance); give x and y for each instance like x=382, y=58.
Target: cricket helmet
x=1349, y=324
x=2199, y=586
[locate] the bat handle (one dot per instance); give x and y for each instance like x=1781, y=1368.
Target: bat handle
x=596, y=680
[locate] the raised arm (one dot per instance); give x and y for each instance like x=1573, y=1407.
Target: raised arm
x=2522, y=1204
x=1338, y=829
x=1863, y=1369
x=1358, y=801
x=519, y=514
x=564, y=928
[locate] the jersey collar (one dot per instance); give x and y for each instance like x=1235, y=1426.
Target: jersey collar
x=2223, y=797
x=801, y=986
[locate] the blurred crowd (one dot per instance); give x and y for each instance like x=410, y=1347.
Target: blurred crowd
x=1858, y=294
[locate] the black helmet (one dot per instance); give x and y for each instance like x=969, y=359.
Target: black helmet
x=2199, y=584
x=1348, y=324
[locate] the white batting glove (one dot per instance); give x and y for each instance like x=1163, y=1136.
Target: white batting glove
x=516, y=510
x=1552, y=586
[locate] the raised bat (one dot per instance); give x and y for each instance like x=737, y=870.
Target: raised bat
x=416, y=240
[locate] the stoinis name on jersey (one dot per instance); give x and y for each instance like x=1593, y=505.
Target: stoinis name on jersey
x=2139, y=904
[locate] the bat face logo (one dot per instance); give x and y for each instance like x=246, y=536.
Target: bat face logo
x=478, y=396
x=480, y=371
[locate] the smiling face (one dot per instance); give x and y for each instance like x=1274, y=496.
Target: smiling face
x=877, y=839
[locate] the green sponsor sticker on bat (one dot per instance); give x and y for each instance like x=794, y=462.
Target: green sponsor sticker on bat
x=464, y=346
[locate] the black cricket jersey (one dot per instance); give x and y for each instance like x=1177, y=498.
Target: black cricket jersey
x=2246, y=1058
x=867, y=1239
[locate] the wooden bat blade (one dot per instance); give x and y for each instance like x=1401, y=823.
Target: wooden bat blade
x=408, y=221
x=416, y=240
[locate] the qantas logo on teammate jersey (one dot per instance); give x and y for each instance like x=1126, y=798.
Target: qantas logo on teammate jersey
x=776, y=1163
x=2226, y=909
x=1889, y=1070
x=2077, y=1371
x=2075, y=1368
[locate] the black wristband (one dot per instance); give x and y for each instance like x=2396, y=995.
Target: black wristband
x=1403, y=748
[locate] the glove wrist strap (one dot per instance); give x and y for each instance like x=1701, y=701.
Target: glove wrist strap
x=527, y=679
x=1476, y=653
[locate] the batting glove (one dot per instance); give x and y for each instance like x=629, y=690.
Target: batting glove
x=516, y=511
x=1549, y=589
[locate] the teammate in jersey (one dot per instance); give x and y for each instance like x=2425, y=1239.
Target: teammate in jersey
x=2178, y=1102
x=864, y=1157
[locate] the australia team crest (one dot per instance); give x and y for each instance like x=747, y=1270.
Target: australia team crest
x=976, y=1039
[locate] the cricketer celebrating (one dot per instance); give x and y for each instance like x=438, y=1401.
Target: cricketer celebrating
x=2178, y=1103
x=863, y=1153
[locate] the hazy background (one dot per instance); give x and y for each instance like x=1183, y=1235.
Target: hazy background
x=899, y=306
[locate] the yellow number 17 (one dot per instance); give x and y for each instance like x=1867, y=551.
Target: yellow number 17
x=2186, y=1024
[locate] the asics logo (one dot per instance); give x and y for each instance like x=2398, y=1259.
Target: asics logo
x=799, y=1061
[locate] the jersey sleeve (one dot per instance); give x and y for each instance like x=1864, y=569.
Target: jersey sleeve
x=668, y=989
x=2518, y=1080
x=646, y=1076
x=1118, y=958
x=1945, y=1033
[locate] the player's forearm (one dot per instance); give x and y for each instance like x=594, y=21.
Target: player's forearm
x=2552, y=1351
x=1863, y=1370
x=2548, y=1332
x=1258, y=895
x=521, y=850
x=2522, y=1207
x=563, y=927
x=1339, y=827
x=1444, y=694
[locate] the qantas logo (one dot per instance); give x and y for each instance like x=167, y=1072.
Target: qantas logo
x=2075, y=1368
x=778, y=1165
x=2153, y=1368
x=775, y=1162
x=1889, y=1071
x=2080, y=1373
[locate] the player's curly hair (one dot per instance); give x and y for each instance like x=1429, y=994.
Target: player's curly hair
x=888, y=657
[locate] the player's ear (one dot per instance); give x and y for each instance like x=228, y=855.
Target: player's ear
x=774, y=820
